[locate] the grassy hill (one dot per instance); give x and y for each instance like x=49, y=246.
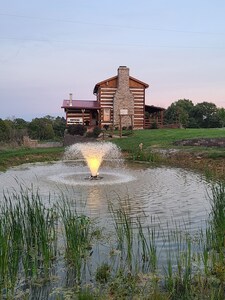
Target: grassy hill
x=164, y=138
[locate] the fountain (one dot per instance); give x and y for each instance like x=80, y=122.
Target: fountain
x=93, y=154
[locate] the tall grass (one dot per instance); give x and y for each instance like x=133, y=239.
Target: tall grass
x=10, y=250
x=78, y=237
x=218, y=215
x=28, y=238
x=123, y=224
x=147, y=245
x=195, y=265
x=152, y=262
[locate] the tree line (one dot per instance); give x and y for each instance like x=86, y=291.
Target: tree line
x=182, y=111
x=201, y=115
x=46, y=128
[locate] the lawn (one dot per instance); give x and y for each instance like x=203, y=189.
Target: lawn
x=164, y=138
x=159, y=138
x=17, y=156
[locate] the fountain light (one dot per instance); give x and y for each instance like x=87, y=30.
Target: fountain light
x=93, y=154
x=93, y=163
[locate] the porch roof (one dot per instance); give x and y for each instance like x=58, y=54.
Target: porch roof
x=153, y=109
x=81, y=104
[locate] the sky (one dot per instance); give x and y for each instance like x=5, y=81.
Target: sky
x=51, y=48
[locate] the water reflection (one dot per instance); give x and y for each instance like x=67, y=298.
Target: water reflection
x=167, y=193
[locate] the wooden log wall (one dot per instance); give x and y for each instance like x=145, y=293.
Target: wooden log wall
x=139, y=107
x=106, y=97
x=106, y=101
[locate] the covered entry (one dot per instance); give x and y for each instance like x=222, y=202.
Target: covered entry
x=153, y=116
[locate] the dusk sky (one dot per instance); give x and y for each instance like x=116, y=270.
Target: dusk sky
x=52, y=48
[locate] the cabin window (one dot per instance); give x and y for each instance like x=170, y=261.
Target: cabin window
x=106, y=115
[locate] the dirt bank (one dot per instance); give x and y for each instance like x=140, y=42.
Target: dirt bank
x=196, y=161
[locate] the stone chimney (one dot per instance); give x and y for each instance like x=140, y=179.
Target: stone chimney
x=71, y=97
x=123, y=78
x=123, y=98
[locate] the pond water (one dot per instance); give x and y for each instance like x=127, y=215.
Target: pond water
x=164, y=193
x=162, y=197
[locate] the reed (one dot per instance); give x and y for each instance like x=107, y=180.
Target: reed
x=147, y=245
x=28, y=232
x=146, y=155
x=192, y=268
x=217, y=221
x=78, y=237
x=10, y=251
x=39, y=228
x=123, y=224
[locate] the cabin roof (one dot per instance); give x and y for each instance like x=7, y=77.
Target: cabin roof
x=115, y=77
x=82, y=104
x=152, y=108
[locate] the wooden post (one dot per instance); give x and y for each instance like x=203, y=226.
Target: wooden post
x=120, y=126
x=162, y=118
x=83, y=110
x=99, y=117
x=132, y=124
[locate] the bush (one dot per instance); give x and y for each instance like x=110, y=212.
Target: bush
x=154, y=126
x=77, y=129
x=106, y=127
x=96, y=131
x=4, y=131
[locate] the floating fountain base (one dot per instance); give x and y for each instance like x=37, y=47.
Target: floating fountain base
x=97, y=177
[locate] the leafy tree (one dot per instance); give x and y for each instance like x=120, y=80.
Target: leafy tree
x=178, y=112
x=205, y=115
x=4, y=131
x=20, y=123
x=221, y=114
x=41, y=128
x=59, y=126
x=201, y=115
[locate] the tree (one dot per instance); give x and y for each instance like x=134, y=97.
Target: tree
x=4, y=131
x=178, y=112
x=221, y=114
x=59, y=126
x=205, y=115
x=20, y=123
x=41, y=128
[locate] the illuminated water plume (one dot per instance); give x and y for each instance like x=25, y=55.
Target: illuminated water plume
x=93, y=154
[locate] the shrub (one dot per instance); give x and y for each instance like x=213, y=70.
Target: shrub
x=96, y=131
x=77, y=129
x=154, y=125
x=106, y=127
x=103, y=273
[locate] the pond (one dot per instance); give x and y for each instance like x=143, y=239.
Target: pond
x=166, y=198
x=166, y=193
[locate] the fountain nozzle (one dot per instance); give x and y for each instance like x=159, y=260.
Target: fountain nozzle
x=95, y=177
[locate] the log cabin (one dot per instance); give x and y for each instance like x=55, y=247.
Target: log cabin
x=120, y=102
